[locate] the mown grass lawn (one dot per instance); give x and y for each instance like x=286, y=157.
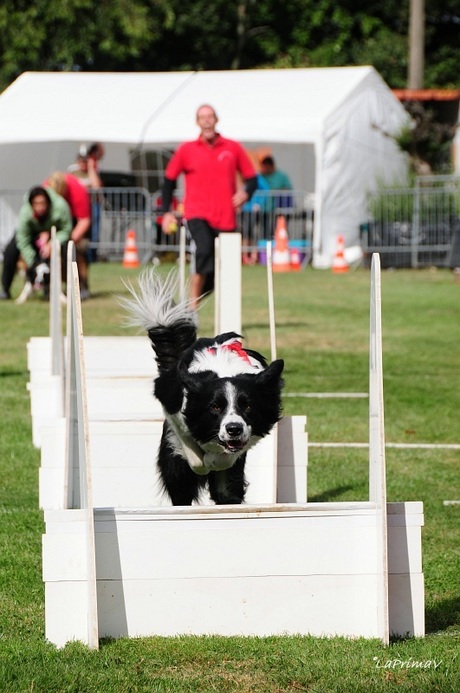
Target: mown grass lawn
x=322, y=333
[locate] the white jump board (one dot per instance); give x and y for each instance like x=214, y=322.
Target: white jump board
x=122, y=398
x=233, y=570
x=120, y=373
x=123, y=462
x=127, y=398
x=105, y=357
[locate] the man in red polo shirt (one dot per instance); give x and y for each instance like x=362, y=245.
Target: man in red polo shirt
x=210, y=165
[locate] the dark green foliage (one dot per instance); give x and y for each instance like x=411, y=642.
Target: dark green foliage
x=143, y=35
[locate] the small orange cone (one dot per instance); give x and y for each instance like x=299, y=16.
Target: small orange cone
x=339, y=264
x=130, y=256
x=296, y=263
x=281, y=257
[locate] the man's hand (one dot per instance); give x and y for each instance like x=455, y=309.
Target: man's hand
x=169, y=223
x=80, y=229
x=239, y=198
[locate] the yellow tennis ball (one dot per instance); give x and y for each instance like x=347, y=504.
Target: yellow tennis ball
x=172, y=228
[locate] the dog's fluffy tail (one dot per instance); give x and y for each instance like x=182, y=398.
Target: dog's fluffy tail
x=171, y=326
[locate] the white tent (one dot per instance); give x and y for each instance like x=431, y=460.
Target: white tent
x=330, y=129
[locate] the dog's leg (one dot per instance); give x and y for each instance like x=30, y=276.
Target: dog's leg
x=183, y=444
x=25, y=293
x=181, y=484
x=228, y=486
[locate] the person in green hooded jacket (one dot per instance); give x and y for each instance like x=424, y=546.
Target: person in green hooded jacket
x=42, y=210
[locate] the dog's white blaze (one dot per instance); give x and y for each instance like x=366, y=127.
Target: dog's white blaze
x=231, y=415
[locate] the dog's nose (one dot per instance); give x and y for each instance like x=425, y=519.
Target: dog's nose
x=234, y=430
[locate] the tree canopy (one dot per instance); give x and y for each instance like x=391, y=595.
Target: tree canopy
x=162, y=35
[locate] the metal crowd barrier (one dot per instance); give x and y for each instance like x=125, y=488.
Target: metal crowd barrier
x=414, y=227
x=116, y=210
x=257, y=220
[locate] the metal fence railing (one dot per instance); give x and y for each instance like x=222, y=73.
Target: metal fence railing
x=414, y=227
x=116, y=210
x=257, y=222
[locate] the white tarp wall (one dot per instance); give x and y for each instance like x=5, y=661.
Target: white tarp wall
x=330, y=129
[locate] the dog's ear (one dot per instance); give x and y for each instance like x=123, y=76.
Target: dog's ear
x=271, y=373
x=226, y=337
x=269, y=384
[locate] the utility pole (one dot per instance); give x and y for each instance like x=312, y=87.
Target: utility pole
x=416, y=44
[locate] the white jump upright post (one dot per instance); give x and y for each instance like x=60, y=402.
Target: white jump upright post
x=71, y=444
x=227, y=283
x=271, y=301
x=78, y=484
x=71, y=257
x=272, y=325
x=182, y=248
x=57, y=342
x=377, y=467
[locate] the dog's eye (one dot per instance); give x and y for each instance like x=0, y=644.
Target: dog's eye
x=246, y=406
x=216, y=408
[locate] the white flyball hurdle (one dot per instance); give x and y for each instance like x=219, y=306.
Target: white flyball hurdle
x=227, y=283
x=350, y=569
x=123, y=455
x=46, y=363
x=124, y=428
x=119, y=370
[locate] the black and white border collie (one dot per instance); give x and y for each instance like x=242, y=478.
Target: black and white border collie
x=219, y=399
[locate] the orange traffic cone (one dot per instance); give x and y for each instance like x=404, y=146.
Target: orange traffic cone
x=296, y=263
x=281, y=257
x=130, y=256
x=339, y=264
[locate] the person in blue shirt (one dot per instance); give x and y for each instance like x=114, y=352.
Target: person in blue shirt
x=275, y=179
x=252, y=213
x=279, y=202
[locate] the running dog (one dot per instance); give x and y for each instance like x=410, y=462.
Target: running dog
x=219, y=399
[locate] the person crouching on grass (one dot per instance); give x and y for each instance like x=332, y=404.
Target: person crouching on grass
x=42, y=210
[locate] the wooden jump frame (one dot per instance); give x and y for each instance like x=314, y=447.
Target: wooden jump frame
x=350, y=569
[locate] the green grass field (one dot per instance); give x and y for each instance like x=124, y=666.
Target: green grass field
x=322, y=333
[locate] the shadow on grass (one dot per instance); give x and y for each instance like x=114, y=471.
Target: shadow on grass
x=329, y=495
x=107, y=294
x=12, y=374
x=279, y=324
x=441, y=615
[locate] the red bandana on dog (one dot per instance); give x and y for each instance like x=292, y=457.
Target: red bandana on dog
x=235, y=347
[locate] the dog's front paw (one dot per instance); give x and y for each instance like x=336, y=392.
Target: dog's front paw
x=25, y=293
x=201, y=470
x=217, y=463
